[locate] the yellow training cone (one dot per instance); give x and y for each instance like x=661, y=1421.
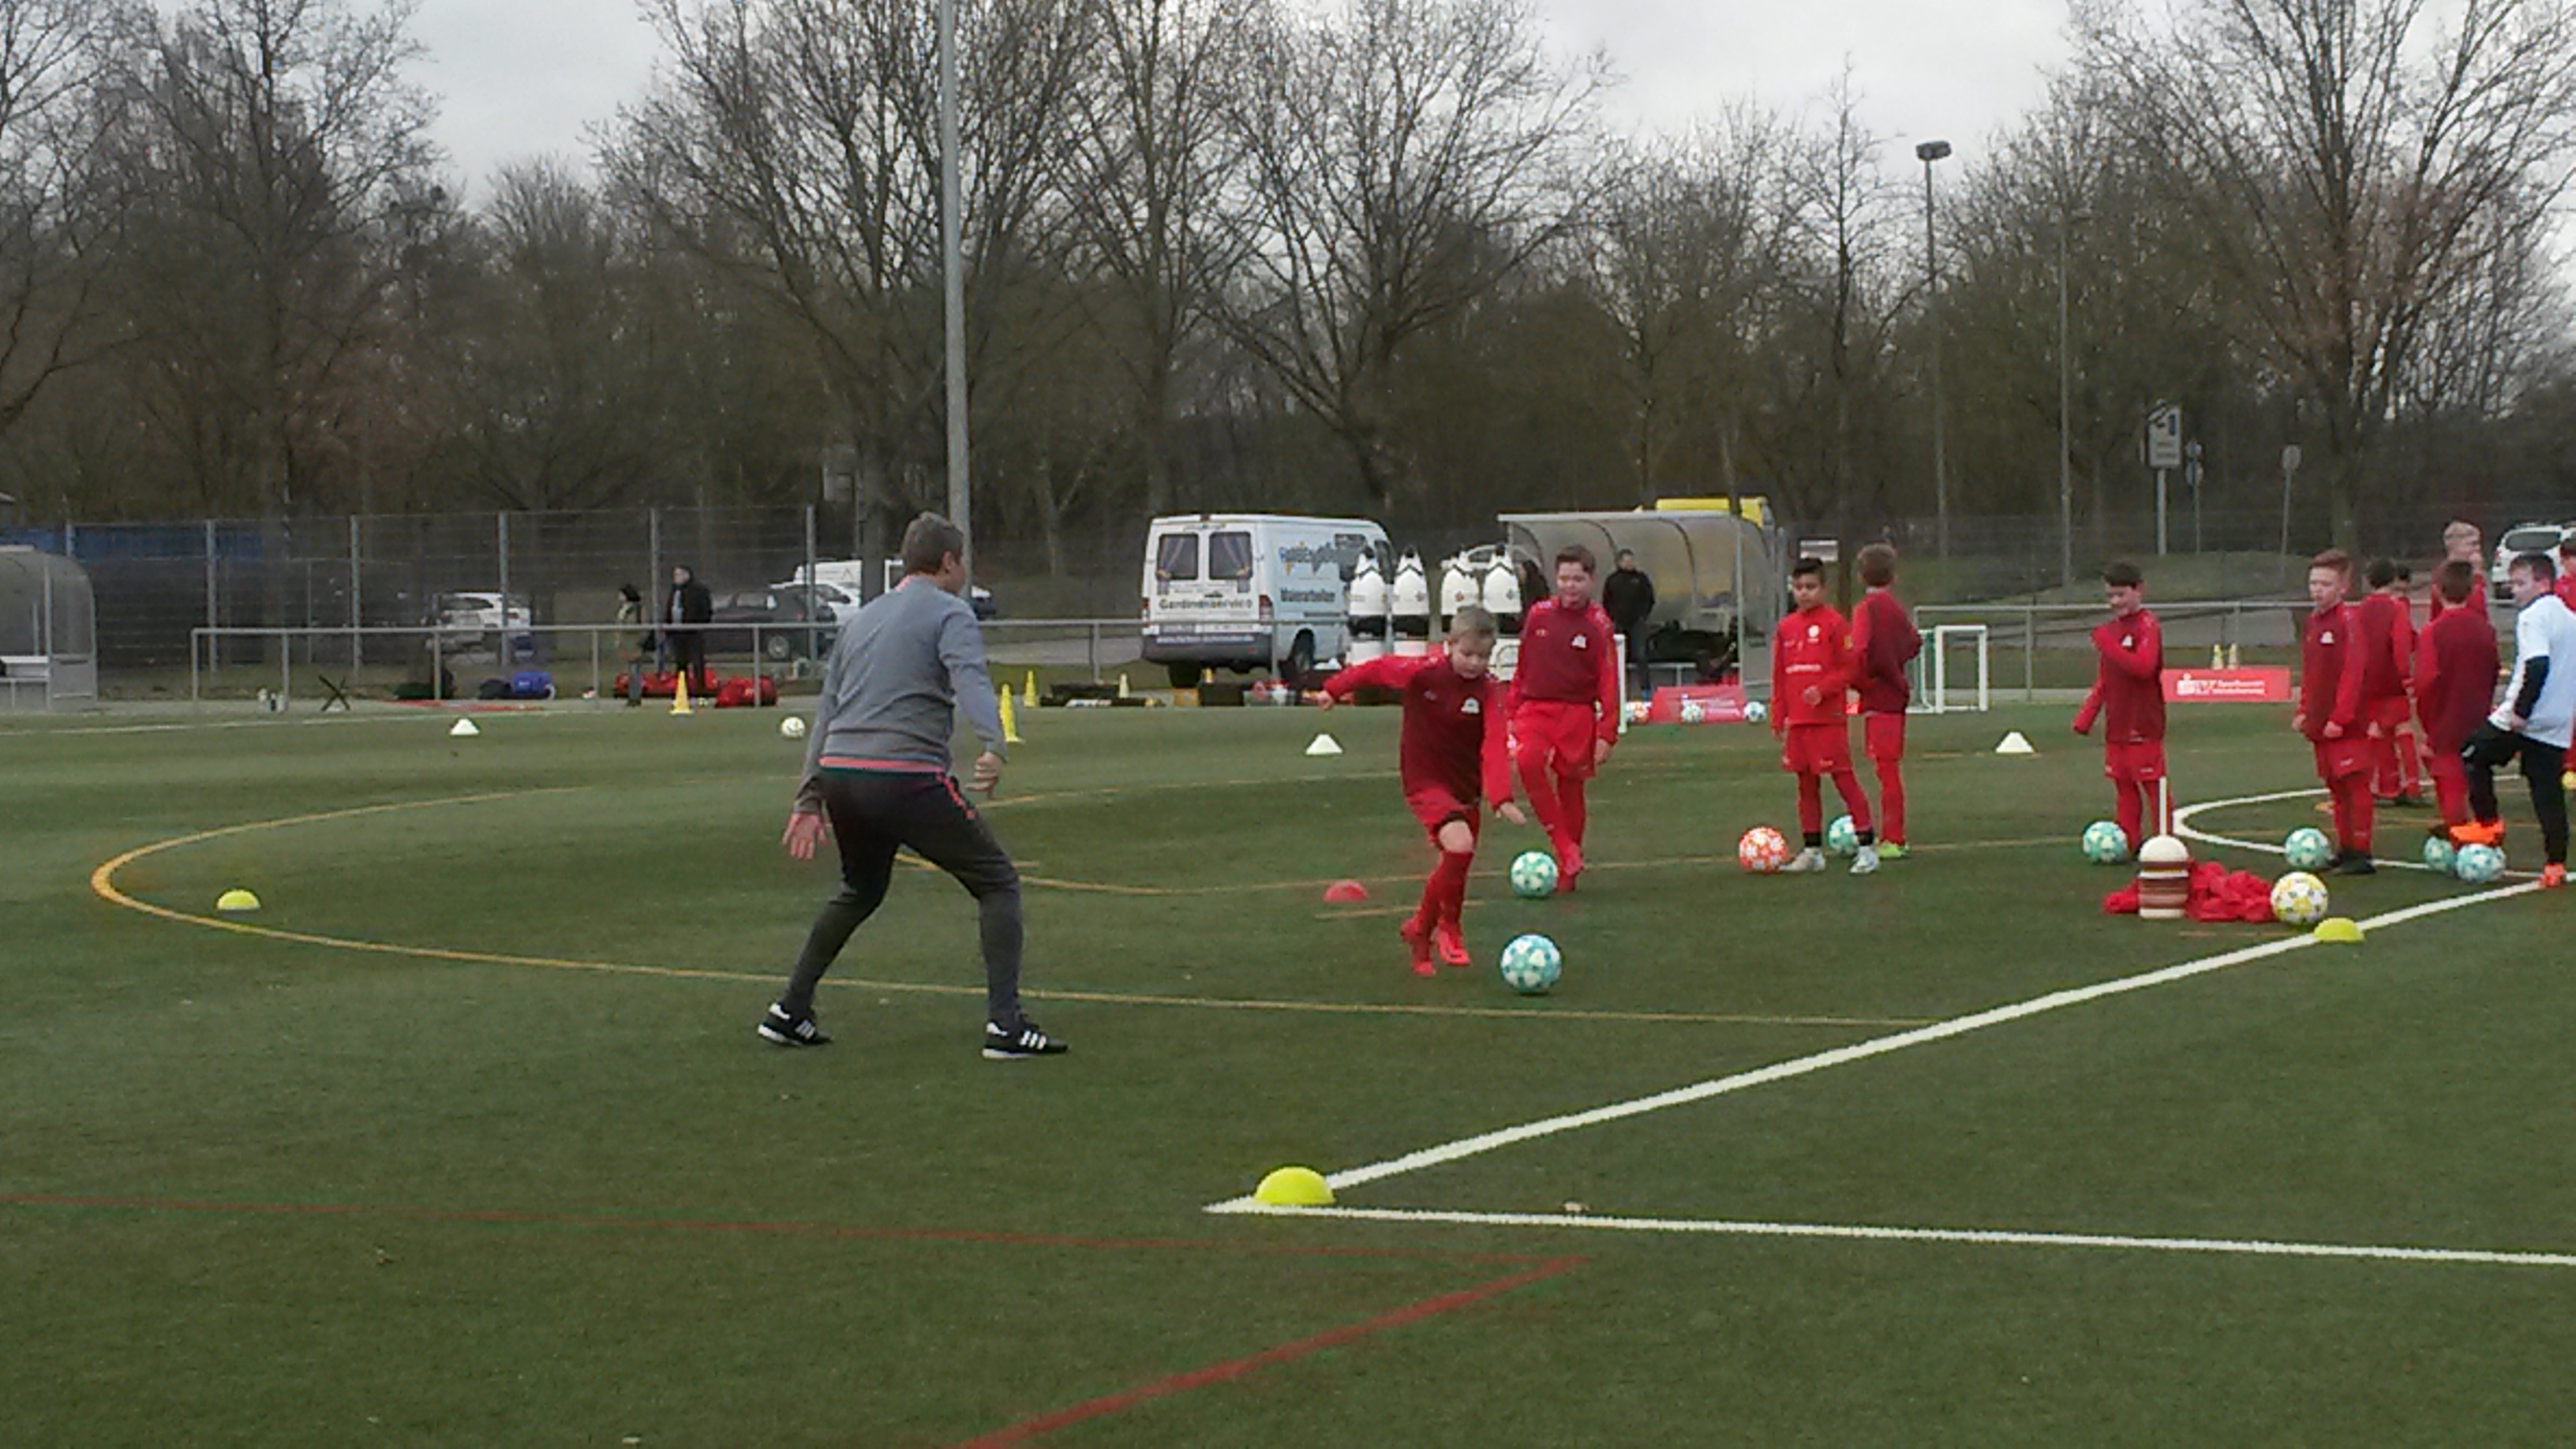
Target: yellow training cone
x=2339, y=930
x=680, y=694
x=1010, y=720
x=1295, y=1187
x=1029, y=691
x=236, y=901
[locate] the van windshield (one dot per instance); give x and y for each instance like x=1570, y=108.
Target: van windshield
x=2530, y=540
x=1230, y=556
x=1176, y=558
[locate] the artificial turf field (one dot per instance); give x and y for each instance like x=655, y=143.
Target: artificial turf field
x=524, y=1176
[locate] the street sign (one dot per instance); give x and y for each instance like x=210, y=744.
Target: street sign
x=2164, y=437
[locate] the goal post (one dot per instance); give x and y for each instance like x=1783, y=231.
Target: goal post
x=1936, y=696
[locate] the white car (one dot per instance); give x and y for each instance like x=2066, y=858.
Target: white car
x=475, y=621
x=2518, y=540
x=834, y=600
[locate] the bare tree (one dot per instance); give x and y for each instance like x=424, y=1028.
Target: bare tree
x=56, y=202
x=1844, y=219
x=1404, y=157
x=2352, y=172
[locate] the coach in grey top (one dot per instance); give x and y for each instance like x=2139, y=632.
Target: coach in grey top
x=877, y=779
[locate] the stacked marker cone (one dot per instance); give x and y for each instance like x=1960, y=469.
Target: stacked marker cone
x=680, y=695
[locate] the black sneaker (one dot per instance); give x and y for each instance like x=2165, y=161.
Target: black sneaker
x=1011, y=1046
x=2356, y=863
x=780, y=1029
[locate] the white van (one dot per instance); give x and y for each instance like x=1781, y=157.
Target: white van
x=1254, y=592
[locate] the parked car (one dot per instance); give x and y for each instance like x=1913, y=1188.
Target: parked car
x=2516, y=541
x=476, y=620
x=831, y=601
x=729, y=630
x=850, y=576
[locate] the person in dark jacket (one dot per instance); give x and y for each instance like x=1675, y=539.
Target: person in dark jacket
x=1628, y=597
x=688, y=603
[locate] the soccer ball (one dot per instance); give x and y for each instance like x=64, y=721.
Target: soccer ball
x=1692, y=713
x=1762, y=851
x=2105, y=843
x=1842, y=837
x=2439, y=855
x=1755, y=712
x=2478, y=864
x=2299, y=899
x=1531, y=965
x=1533, y=874
x=2308, y=849
x=793, y=727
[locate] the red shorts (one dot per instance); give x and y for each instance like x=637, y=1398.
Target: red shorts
x=1563, y=732
x=1816, y=749
x=2392, y=714
x=2139, y=762
x=1883, y=735
x=2340, y=759
x=1436, y=807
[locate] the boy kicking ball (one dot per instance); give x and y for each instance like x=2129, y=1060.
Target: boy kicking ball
x=1452, y=758
x=2128, y=696
x=1811, y=678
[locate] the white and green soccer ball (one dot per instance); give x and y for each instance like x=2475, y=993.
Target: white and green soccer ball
x=1755, y=712
x=1693, y=712
x=2440, y=854
x=793, y=727
x=2478, y=864
x=2308, y=849
x=1531, y=964
x=2105, y=843
x=2300, y=899
x=1533, y=874
x=1842, y=837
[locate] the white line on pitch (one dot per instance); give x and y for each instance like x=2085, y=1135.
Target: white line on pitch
x=2183, y=827
x=1990, y=1237
x=1482, y=1143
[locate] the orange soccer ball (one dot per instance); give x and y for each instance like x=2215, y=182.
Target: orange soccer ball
x=1762, y=851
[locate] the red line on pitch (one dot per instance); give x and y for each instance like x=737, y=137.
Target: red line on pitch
x=1179, y=1383
x=795, y=1229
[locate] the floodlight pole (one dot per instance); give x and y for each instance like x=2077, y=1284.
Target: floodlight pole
x=2065, y=416
x=1927, y=153
x=953, y=280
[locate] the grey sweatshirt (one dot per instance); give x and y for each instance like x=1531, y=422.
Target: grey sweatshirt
x=896, y=675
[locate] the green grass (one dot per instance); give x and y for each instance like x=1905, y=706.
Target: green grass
x=257, y=1191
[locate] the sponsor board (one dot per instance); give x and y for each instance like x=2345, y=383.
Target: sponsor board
x=1718, y=703
x=2262, y=684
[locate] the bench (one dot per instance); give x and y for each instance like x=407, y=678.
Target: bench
x=30, y=673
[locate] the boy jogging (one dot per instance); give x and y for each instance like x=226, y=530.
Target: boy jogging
x=1883, y=642
x=2455, y=674
x=877, y=778
x=1811, y=678
x=2536, y=718
x=2128, y=696
x=1564, y=702
x=1452, y=758
x=2384, y=633
x=2330, y=710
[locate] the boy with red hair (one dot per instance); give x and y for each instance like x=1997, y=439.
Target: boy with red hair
x=2330, y=710
x=2128, y=696
x=2455, y=678
x=1564, y=701
x=2384, y=635
x=1451, y=758
x=1811, y=678
x=1883, y=642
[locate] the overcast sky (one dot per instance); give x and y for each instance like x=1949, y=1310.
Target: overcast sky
x=518, y=78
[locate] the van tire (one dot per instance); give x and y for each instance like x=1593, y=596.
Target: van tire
x=1184, y=676
x=1300, y=664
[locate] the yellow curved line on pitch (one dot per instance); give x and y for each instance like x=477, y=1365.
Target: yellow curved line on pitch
x=102, y=883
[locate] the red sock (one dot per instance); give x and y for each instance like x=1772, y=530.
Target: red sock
x=2353, y=812
x=2451, y=788
x=2410, y=764
x=2383, y=764
x=1445, y=893
x=1811, y=806
x=1539, y=785
x=1569, y=793
x=1891, y=800
x=1847, y=785
x=2129, y=806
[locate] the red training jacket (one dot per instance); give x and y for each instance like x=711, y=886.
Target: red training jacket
x=1811, y=649
x=2384, y=633
x=2128, y=692
x=1569, y=656
x=1453, y=727
x=2330, y=674
x=2455, y=676
x=1883, y=642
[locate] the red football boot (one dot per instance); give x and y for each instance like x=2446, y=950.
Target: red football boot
x=1450, y=944
x=1417, y=944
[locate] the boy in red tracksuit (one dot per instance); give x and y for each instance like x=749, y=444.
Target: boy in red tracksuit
x=1451, y=758
x=2567, y=571
x=2330, y=711
x=1811, y=677
x=2461, y=541
x=1564, y=702
x=2128, y=696
x=2384, y=635
x=2455, y=680
x=1884, y=641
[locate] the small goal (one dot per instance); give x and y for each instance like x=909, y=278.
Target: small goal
x=1936, y=694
